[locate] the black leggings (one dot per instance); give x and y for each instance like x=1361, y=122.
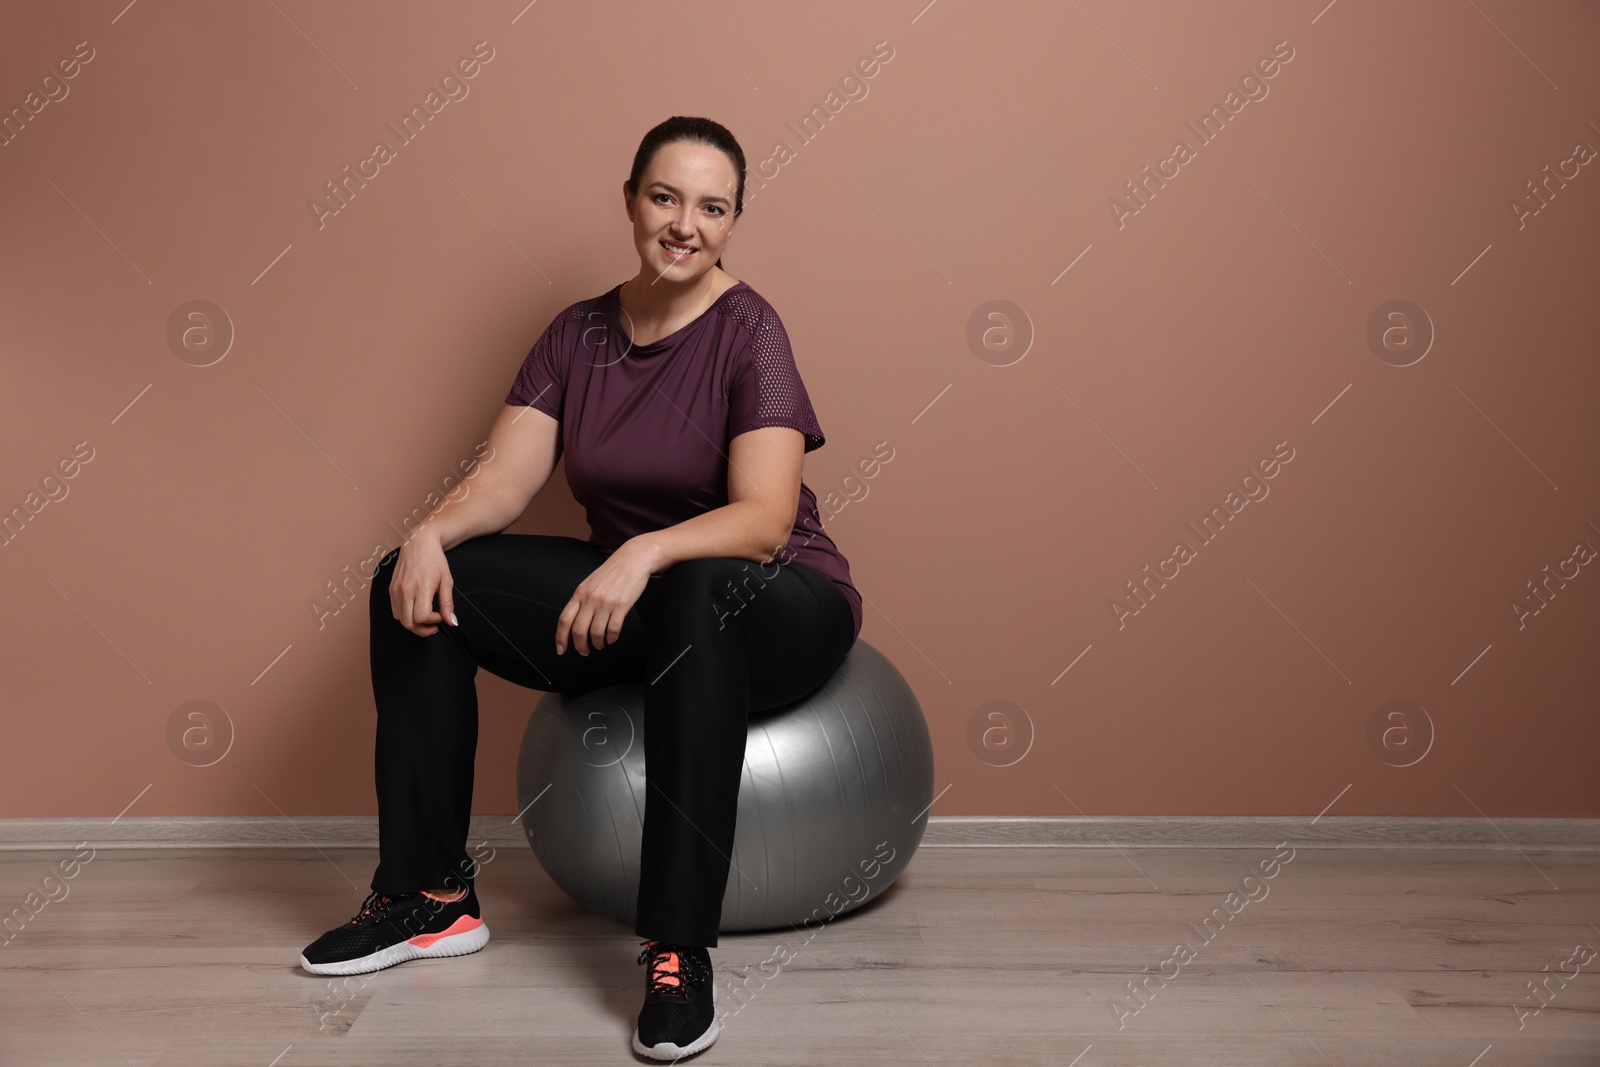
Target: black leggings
x=715, y=638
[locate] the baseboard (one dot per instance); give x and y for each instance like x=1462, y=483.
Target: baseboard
x=1252, y=831
x=944, y=831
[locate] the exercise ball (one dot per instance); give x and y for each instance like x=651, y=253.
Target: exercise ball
x=833, y=800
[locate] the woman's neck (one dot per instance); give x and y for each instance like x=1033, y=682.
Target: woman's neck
x=656, y=310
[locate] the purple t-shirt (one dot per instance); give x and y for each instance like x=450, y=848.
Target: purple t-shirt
x=645, y=428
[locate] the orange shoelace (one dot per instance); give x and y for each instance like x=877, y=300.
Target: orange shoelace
x=666, y=970
x=666, y=967
x=374, y=902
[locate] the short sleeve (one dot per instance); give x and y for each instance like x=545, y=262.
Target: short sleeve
x=541, y=380
x=766, y=389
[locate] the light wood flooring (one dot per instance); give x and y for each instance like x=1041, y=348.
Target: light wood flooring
x=986, y=956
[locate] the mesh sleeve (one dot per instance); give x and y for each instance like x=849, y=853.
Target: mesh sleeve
x=540, y=381
x=766, y=389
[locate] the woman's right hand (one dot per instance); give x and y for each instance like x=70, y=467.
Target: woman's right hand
x=420, y=572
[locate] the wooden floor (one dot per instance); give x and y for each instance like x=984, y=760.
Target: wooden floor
x=976, y=956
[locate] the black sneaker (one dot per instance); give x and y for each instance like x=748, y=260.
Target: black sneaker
x=390, y=930
x=679, y=1017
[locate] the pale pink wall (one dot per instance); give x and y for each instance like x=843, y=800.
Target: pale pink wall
x=1228, y=314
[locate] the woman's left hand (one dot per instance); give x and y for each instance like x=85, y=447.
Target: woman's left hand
x=594, y=616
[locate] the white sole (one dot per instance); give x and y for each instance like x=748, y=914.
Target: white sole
x=462, y=944
x=666, y=1050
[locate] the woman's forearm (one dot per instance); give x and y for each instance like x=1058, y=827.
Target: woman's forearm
x=743, y=529
x=482, y=509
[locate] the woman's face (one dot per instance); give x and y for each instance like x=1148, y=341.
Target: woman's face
x=683, y=212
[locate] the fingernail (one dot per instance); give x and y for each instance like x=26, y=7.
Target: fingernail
x=453, y=620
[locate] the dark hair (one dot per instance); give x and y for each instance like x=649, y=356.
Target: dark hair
x=700, y=131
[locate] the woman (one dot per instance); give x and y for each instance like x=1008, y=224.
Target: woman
x=675, y=399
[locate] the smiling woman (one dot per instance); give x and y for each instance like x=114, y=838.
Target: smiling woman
x=664, y=218
x=675, y=399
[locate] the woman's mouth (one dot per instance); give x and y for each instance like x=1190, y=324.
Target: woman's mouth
x=676, y=251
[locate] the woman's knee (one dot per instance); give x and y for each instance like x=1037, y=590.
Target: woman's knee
x=502, y=558
x=703, y=574
x=713, y=590
x=468, y=560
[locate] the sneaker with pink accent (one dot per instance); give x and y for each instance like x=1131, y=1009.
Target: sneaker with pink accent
x=388, y=930
x=679, y=1017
